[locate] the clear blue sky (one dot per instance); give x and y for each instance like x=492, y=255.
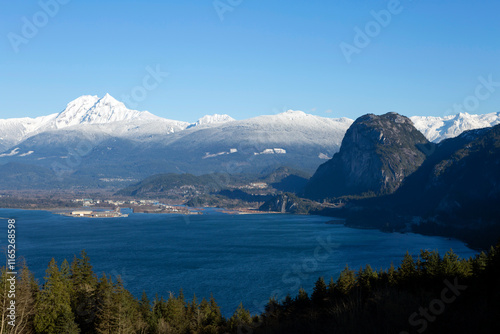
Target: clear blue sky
x=266, y=56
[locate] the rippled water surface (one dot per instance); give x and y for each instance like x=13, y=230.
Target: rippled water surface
x=237, y=258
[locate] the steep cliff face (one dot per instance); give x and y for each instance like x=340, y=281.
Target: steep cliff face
x=456, y=192
x=377, y=153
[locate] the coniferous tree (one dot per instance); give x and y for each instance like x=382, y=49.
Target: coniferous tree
x=302, y=300
x=175, y=312
x=83, y=293
x=450, y=265
x=214, y=318
x=146, y=310
x=319, y=296
x=479, y=263
x=193, y=315
x=430, y=264
x=346, y=281
x=53, y=304
x=407, y=269
x=391, y=275
x=105, y=320
x=366, y=277
x=127, y=317
x=159, y=316
x=118, y=310
x=240, y=320
x=331, y=289
x=27, y=290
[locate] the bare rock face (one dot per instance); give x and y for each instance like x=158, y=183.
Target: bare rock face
x=454, y=193
x=377, y=153
x=289, y=203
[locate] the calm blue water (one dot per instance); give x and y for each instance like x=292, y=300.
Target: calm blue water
x=237, y=258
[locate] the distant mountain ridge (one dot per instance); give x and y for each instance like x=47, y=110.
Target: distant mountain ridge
x=437, y=129
x=92, y=110
x=95, y=139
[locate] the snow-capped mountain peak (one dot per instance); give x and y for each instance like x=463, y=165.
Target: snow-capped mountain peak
x=212, y=119
x=94, y=110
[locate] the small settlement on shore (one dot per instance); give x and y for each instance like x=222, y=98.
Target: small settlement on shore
x=95, y=214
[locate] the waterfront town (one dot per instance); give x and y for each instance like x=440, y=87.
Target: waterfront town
x=91, y=208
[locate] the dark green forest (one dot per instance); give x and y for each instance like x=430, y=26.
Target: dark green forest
x=425, y=293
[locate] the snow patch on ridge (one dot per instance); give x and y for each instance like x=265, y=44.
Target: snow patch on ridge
x=208, y=155
x=212, y=119
x=26, y=154
x=272, y=151
x=324, y=156
x=11, y=154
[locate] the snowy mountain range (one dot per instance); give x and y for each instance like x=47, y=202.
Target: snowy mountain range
x=95, y=139
x=437, y=129
x=111, y=114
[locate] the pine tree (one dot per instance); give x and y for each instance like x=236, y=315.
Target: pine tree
x=214, y=317
x=65, y=272
x=145, y=309
x=431, y=263
x=159, y=316
x=288, y=301
x=366, y=277
x=479, y=263
x=302, y=300
x=272, y=306
x=407, y=269
x=319, y=296
x=346, y=281
x=302, y=296
x=392, y=275
x=194, y=316
x=83, y=294
x=27, y=289
x=105, y=322
x=450, y=265
x=53, y=304
x=127, y=317
x=175, y=312
x=331, y=289
x=240, y=320
x=118, y=310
